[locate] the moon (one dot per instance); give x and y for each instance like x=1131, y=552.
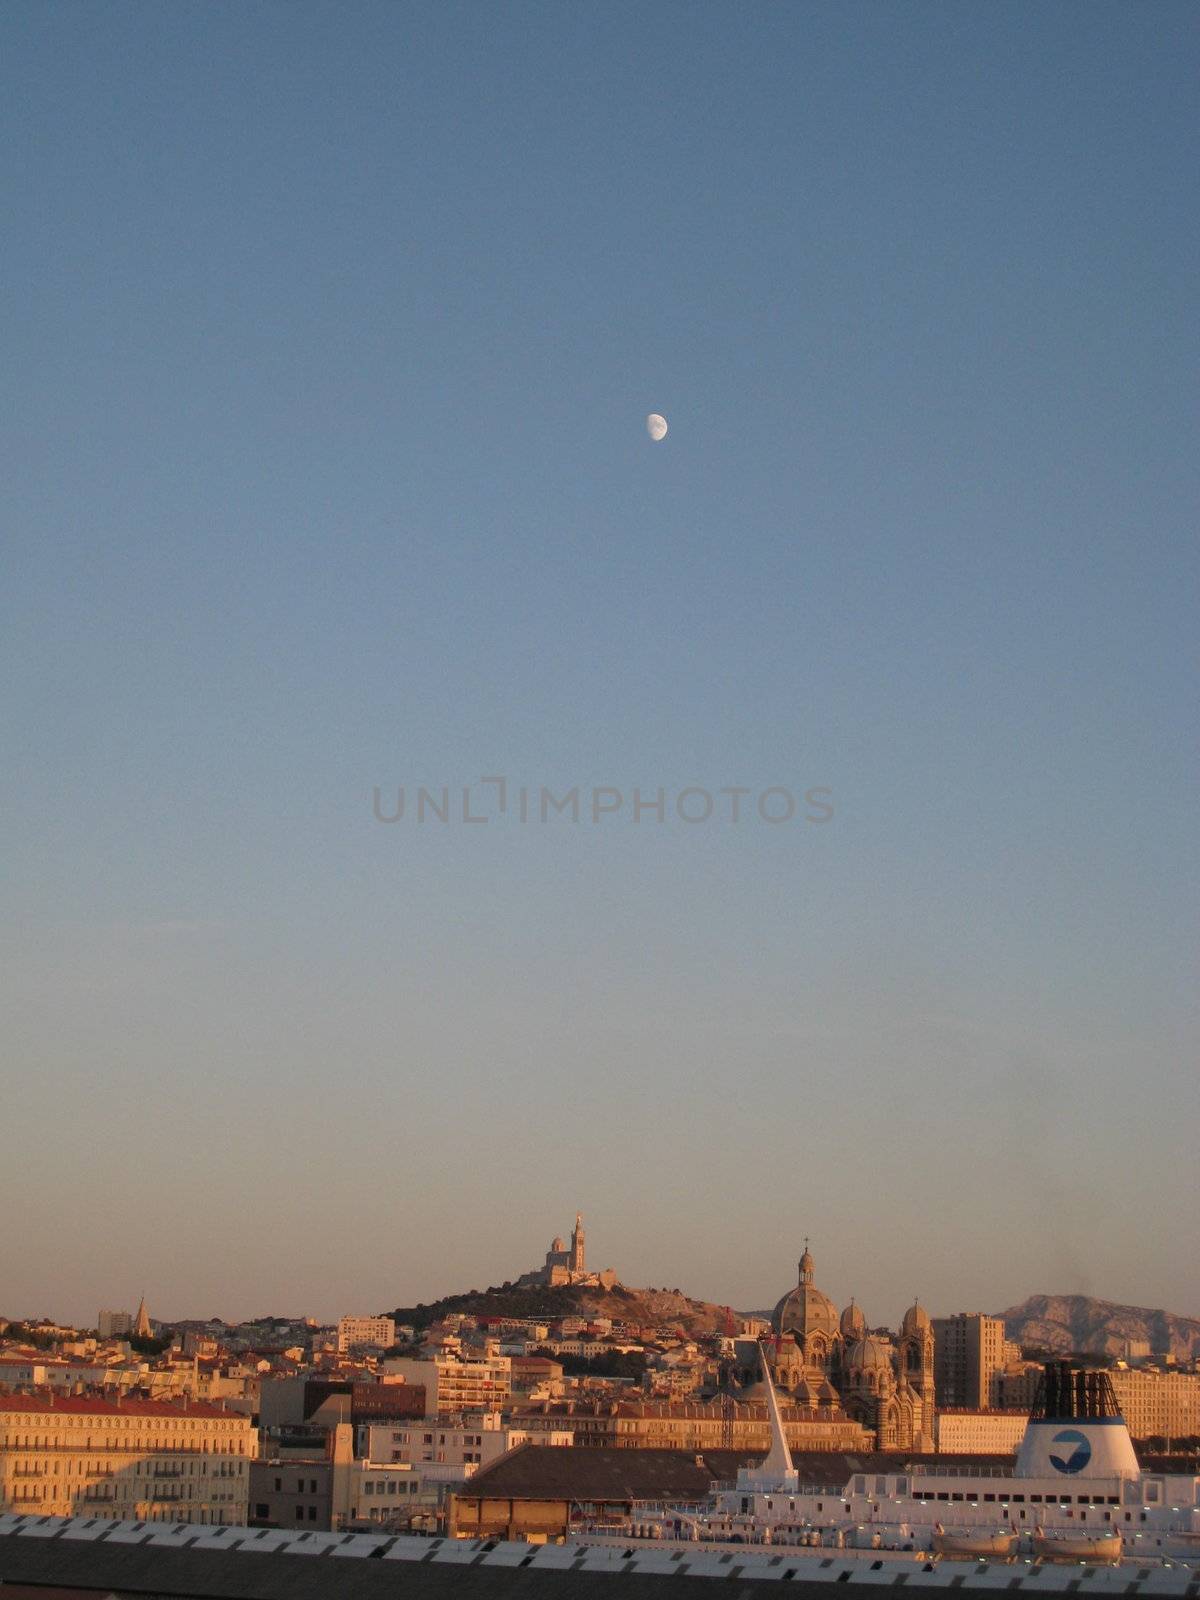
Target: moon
x=656, y=426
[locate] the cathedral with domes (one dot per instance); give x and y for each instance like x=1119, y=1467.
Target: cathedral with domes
x=821, y=1359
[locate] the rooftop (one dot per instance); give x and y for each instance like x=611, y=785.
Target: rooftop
x=99, y=1405
x=270, y=1564
x=581, y=1472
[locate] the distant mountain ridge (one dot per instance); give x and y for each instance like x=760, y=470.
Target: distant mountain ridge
x=1078, y=1323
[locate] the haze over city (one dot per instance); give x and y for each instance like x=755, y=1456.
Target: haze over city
x=331, y=337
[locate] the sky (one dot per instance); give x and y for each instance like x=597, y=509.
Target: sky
x=330, y=333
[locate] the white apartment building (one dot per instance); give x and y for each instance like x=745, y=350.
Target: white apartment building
x=453, y=1385
x=138, y=1460
x=365, y=1333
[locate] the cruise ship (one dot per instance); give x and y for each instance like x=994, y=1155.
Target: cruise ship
x=1075, y=1493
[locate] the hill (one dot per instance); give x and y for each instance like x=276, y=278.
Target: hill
x=1076, y=1323
x=639, y=1307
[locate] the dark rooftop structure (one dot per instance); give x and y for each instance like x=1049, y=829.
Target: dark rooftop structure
x=580, y=1472
x=80, y=1557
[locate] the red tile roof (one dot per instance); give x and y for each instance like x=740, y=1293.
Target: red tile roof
x=97, y=1405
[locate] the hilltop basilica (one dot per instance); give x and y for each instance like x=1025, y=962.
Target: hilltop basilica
x=567, y=1264
x=820, y=1360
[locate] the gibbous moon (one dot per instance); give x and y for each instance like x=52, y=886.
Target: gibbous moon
x=656, y=426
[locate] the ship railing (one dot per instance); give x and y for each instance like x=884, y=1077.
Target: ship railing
x=823, y=1491
x=674, y=1508
x=925, y=1469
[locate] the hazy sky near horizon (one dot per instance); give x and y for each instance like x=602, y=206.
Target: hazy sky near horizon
x=330, y=334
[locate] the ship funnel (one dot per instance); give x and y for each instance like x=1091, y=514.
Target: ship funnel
x=1076, y=1429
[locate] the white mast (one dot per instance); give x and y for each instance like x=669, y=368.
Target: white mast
x=777, y=1471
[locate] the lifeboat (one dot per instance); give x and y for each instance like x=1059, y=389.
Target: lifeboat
x=977, y=1543
x=1104, y=1548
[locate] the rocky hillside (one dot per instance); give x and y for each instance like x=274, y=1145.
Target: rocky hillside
x=640, y=1307
x=1077, y=1323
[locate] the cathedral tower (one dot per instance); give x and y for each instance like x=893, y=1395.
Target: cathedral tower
x=916, y=1370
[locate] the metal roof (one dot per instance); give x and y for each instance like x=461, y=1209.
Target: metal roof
x=178, y=1561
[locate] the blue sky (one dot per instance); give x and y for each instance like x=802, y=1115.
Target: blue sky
x=330, y=335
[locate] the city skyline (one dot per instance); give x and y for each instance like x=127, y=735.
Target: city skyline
x=835, y=1275
x=331, y=335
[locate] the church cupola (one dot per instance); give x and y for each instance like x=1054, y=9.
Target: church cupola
x=853, y=1323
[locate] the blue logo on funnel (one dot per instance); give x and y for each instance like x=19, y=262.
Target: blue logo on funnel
x=1076, y=1450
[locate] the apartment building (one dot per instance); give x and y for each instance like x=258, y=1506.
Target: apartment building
x=1157, y=1403
x=960, y=1431
x=472, y=1442
x=1016, y=1388
x=365, y=1333
x=141, y=1460
x=453, y=1385
x=969, y=1349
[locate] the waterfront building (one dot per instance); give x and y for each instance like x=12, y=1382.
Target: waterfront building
x=146, y=1460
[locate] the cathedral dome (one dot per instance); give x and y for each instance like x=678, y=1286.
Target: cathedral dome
x=916, y=1319
x=853, y=1323
x=805, y=1310
x=868, y=1354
